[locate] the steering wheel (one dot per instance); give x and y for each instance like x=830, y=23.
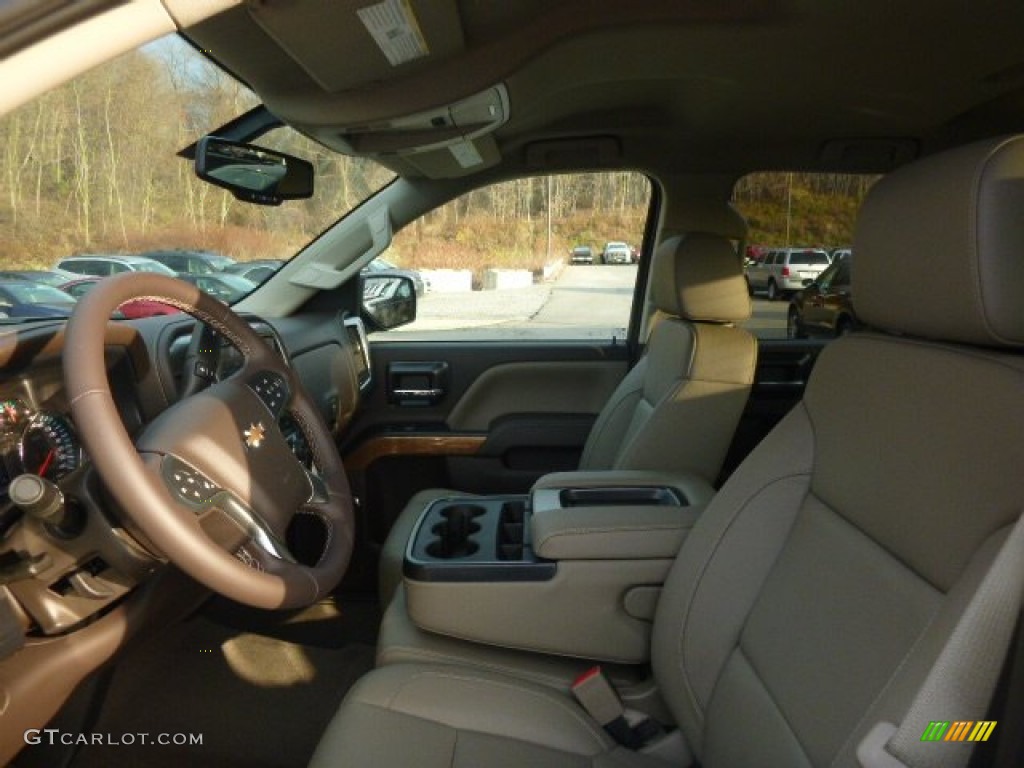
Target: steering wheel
x=211, y=482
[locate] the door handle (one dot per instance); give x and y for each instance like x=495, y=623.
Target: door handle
x=417, y=383
x=422, y=393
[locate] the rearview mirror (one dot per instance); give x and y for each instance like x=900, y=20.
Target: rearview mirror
x=388, y=301
x=253, y=174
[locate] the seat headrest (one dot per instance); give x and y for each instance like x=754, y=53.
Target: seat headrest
x=697, y=276
x=939, y=247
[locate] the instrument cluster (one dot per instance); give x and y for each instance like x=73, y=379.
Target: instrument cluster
x=39, y=442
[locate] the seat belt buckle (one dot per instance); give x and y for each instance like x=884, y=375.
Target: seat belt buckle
x=597, y=696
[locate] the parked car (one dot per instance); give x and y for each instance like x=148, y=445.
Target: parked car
x=753, y=253
x=226, y=288
x=581, y=254
x=52, y=277
x=383, y=265
x=130, y=309
x=20, y=298
x=193, y=262
x=841, y=253
x=256, y=271
x=616, y=253
x=783, y=270
x=824, y=307
x=102, y=265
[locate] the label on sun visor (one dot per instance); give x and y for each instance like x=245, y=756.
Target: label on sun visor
x=394, y=28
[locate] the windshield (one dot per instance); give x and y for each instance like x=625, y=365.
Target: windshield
x=32, y=293
x=234, y=281
x=92, y=168
x=152, y=266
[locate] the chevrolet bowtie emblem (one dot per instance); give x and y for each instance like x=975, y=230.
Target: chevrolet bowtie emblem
x=254, y=435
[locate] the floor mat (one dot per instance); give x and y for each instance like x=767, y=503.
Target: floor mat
x=255, y=700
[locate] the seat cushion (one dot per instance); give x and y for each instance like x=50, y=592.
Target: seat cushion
x=434, y=716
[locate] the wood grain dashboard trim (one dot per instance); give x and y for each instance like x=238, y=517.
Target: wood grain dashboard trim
x=411, y=445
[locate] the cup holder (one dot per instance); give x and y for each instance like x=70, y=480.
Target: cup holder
x=453, y=535
x=511, y=529
x=475, y=539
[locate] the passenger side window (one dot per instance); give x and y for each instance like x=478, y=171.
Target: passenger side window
x=497, y=263
x=804, y=212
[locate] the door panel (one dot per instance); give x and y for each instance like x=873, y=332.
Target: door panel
x=509, y=413
x=532, y=387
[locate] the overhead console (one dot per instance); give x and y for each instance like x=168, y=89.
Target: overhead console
x=446, y=126
x=514, y=571
x=448, y=141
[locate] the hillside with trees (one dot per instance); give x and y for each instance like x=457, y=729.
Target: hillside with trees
x=92, y=168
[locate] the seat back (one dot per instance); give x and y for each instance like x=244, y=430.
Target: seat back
x=679, y=406
x=816, y=591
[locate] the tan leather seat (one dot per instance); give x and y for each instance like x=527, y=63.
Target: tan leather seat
x=678, y=407
x=812, y=597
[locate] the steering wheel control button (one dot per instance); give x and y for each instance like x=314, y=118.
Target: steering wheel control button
x=272, y=389
x=204, y=371
x=189, y=484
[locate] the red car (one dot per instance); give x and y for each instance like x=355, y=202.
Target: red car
x=132, y=310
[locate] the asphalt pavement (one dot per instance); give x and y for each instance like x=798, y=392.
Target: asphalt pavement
x=582, y=302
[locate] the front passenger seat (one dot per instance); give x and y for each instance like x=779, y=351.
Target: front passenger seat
x=678, y=408
x=818, y=588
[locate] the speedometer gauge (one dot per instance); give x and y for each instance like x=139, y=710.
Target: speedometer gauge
x=49, y=447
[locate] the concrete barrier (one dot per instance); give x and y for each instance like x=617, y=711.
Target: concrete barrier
x=552, y=270
x=448, y=280
x=500, y=279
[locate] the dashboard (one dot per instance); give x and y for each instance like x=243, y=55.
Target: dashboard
x=64, y=576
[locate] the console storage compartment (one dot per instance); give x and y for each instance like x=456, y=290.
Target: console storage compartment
x=574, y=569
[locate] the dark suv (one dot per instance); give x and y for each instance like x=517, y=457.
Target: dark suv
x=581, y=254
x=824, y=307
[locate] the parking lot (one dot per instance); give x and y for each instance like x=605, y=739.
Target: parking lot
x=583, y=301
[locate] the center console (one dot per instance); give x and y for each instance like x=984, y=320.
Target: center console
x=574, y=568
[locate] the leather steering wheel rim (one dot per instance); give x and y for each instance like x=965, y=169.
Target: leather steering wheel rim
x=211, y=483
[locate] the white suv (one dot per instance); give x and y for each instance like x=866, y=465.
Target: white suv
x=784, y=270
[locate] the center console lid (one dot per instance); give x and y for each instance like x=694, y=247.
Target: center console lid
x=623, y=486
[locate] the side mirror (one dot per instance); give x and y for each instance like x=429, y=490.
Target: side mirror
x=251, y=173
x=807, y=282
x=388, y=301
